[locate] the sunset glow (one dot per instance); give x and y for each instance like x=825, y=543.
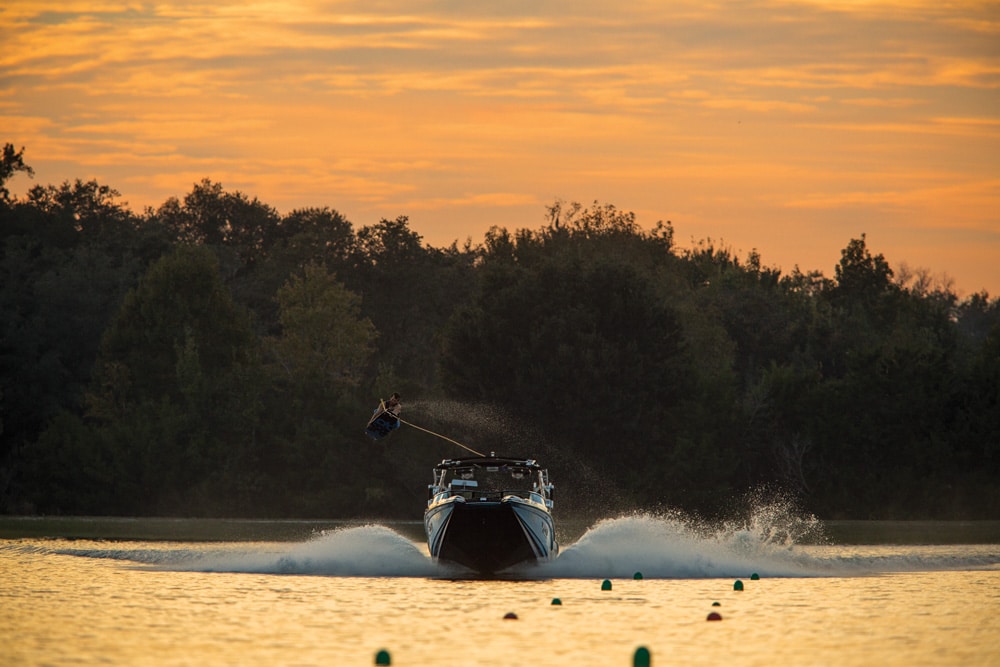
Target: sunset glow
x=789, y=127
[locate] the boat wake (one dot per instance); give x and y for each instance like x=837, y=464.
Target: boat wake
x=772, y=542
x=674, y=547
x=359, y=551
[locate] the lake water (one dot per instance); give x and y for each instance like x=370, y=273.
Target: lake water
x=141, y=592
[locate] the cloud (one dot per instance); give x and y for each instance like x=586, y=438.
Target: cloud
x=490, y=199
x=738, y=114
x=988, y=128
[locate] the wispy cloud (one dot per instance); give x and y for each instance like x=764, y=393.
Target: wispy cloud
x=726, y=115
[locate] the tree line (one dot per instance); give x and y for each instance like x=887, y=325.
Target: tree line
x=212, y=357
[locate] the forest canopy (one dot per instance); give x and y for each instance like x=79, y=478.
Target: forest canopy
x=213, y=357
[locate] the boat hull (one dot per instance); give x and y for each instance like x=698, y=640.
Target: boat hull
x=489, y=536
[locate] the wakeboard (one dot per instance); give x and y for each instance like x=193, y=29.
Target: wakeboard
x=382, y=424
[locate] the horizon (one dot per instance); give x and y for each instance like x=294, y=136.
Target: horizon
x=787, y=128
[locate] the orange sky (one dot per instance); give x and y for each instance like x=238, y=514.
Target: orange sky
x=789, y=127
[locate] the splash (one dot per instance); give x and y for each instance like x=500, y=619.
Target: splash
x=489, y=427
x=357, y=551
x=660, y=546
x=673, y=546
x=771, y=538
x=361, y=551
x=486, y=426
x=669, y=545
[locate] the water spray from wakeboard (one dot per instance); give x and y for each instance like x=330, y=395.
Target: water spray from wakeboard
x=503, y=432
x=443, y=437
x=385, y=421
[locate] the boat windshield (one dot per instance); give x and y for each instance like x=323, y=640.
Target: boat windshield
x=494, y=479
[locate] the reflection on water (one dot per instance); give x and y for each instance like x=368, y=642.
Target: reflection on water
x=339, y=594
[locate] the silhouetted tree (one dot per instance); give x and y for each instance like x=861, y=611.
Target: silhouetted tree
x=11, y=162
x=213, y=357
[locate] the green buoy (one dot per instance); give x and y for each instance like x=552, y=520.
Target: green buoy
x=382, y=658
x=606, y=585
x=738, y=585
x=637, y=575
x=754, y=577
x=642, y=658
x=557, y=601
x=716, y=604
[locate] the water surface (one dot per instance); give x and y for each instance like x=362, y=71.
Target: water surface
x=124, y=592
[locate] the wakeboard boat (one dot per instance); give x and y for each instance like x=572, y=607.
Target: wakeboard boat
x=489, y=513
